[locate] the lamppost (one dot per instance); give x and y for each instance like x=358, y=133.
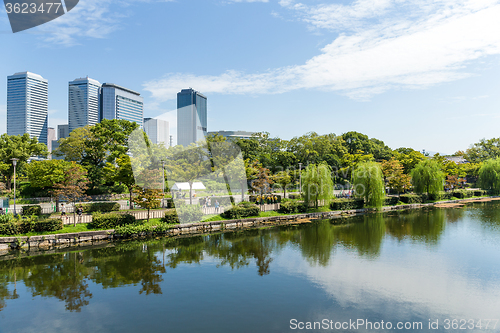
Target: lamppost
x=14, y=162
x=300, y=178
x=163, y=183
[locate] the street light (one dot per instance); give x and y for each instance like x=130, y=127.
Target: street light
x=163, y=183
x=14, y=162
x=300, y=178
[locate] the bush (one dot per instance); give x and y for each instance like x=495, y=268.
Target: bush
x=110, y=220
x=189, y=213
x=237, y=212
x=171, y=217
x=289, y=206
x=347, y=204
x=479, y=193
x=462, y=194
x=266, y=198
x=10, y=229
x=32, y=210
x=6, y=218
x=154, y=230
x=391, y=201
x=411, y=198
x=47, y=225
x=102, y=207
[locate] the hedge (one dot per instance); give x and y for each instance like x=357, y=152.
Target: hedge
x=32, y=210
x=479, y=193
x=25, y=226
x=461, y=194
x=110, y=220
x=6, y=218
x=102, y=207
x=347, y=204
x=412, y=198
x=391, y=201
x=289, y=206
x=237, y=212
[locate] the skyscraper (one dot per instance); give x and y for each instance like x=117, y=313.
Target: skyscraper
x=27, y=105
x=51, y=136
x=191, y=116
x=62, y=131
x=83, y=103
x=157, y=131
x=121, y=103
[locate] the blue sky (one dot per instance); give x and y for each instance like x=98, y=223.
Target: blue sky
x=413, y=73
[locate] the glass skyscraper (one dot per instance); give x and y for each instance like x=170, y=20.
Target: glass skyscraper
x=27, y=105
x=121, y=103
x=157, y=131
x=191, y=117
x=83, y=103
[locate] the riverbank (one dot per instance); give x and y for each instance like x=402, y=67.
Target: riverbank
x=44, y=243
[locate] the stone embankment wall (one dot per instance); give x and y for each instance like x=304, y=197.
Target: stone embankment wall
x=61, y=241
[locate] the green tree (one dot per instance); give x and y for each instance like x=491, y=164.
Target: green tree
x=282, y=178
x=317, y=184
x=93, y=146
x=72, y=187
x=368, y=183
x=394, y=176
x=45, y=174
x=427, y=177
x=122, y=173
x=409, y=158
x=18, y=146
x=483, y=150
x=489, y=175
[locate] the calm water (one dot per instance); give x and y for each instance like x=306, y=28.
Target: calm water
x=400, y=267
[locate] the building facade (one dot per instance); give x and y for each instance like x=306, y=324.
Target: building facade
x=157, y=130
x=51, y=136
x=191, y=117
x=27, y=105
x=83, y=103
x=62, y=131
x=121, y=103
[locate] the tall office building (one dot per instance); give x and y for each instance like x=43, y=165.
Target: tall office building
x=83, y=103
x=191, y=117
x=27, y=105
x=62, y=131
x=157, y=131
x=51, y=136
x=121, y=103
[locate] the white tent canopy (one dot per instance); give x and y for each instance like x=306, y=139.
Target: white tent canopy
x=185, y=186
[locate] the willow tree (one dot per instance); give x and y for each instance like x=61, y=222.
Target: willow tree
x=368, y=182
x=317, y=184
x=427, y=177
x=489, y=175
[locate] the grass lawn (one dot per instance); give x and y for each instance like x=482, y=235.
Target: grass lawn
x=65, y=230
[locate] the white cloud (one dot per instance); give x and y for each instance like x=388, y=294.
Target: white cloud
x=410, y=53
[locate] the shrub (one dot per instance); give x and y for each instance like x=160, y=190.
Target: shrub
x=32, y=210
x=411, y=198
x=479, y=193
x=110, y=220
x=128, y=230
x=6, y=218
x=171, y=217
x=10, y=229
x=266, y=198
x=190, y=213
x=461, y=194
x=237, y=212
x=391, y=201
x=102, y=207
x=47, y=225
x=289, y=206
x=347, y=204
